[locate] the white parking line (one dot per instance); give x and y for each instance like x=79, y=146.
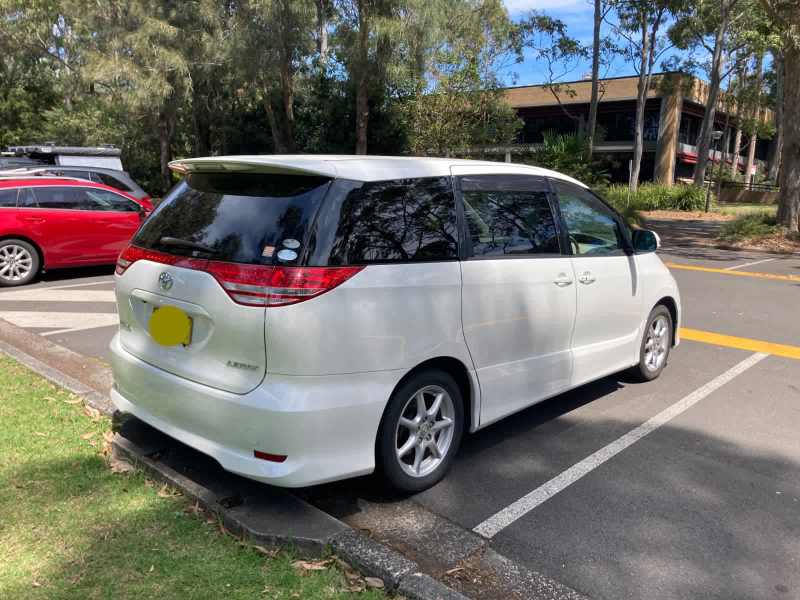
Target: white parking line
x=61, y=321
x=505, y=517
x=74, y=285
x=58, y=295
x=748, y=264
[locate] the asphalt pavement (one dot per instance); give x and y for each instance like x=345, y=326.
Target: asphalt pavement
x=685, y=487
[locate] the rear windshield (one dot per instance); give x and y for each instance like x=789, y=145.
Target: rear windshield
x=241, y=217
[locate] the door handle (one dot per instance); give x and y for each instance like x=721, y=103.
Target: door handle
x=562, y=280
x=586, y=277
x=33, y=219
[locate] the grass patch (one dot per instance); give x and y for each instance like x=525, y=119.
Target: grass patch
x=748, y=226
x=736, y=210
x=70, y=528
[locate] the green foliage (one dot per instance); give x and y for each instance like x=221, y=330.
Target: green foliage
x=448, y=122
x=568, y=154
x=751, y=225
x=164, y=79
x=654, y=196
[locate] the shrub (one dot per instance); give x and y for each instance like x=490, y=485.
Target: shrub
x=567, y=153
x=655, y=196
x=749, y=226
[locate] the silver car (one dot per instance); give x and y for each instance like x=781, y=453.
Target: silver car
x=303, y=319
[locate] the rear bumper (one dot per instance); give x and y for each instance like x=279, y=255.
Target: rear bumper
x=326, y=426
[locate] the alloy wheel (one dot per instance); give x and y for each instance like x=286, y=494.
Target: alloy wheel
x=16, y=263
x=424, y=431
x=657, y=343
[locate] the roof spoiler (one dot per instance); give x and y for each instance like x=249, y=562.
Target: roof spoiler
x=254, y=164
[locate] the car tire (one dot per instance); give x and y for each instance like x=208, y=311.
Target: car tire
x=19, y=263
x=656, y=344
x=416, y=449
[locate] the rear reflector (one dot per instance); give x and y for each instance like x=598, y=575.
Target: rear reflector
x=252, y=285
x=278, y=458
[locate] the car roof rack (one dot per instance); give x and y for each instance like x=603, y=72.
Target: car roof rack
x=59, y=177
x=51, y=148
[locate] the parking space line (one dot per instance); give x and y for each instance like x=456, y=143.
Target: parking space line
x=747, y=264
x=508, y=515
x=74, y=285
x=774, y=276
x=62, y=321
x=59, y=296
x=741, y=343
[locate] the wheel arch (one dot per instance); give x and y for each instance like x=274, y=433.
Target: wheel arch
x=25, y=238
x=459, y=372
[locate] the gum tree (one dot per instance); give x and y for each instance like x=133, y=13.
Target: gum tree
x=785, y=15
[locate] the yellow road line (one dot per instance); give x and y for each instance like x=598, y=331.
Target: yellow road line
x=730, y=341
x=774, y=276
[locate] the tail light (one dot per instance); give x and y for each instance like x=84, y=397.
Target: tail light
x=252, y=285
x=133, y=253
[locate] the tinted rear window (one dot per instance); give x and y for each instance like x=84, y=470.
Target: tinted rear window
x=245, y=218
x=403, y=220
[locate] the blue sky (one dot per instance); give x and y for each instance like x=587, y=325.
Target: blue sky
x=578, y=16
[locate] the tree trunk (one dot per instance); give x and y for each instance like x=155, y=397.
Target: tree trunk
x=166, y=131
x=789, y=199
x=592, y=125
x=758, y=76
x=278, y=144
x=776, y=147
x=322, y=30
x=200, y=121
x=645, y=67
x=737, y=144
x=362, y=80
x=287, y=96
x=717, y=64
x=751, y=159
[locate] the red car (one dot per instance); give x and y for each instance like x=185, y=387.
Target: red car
x=49, y=223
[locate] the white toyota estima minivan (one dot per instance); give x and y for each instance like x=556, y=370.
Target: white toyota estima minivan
x=303, y=319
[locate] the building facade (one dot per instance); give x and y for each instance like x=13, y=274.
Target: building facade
x=673, y=115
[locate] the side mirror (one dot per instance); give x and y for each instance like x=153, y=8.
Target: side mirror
x=645, y=240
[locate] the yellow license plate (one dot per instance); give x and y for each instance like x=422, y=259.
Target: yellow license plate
x=170, y=326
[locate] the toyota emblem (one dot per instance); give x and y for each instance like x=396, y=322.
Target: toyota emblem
x=165, y=281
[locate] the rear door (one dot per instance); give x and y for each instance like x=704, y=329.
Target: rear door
x=214, y=230
x=518, y=298
x=609, y=296
x=116, y=219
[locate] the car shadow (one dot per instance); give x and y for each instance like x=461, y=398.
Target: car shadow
x=75, y=273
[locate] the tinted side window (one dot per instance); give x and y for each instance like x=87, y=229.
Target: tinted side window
x=108, y=201
x=27, y=199
x=60, y=197
x=404, y=220
x=593, y=228
x=8, y=198
x=507, y=221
